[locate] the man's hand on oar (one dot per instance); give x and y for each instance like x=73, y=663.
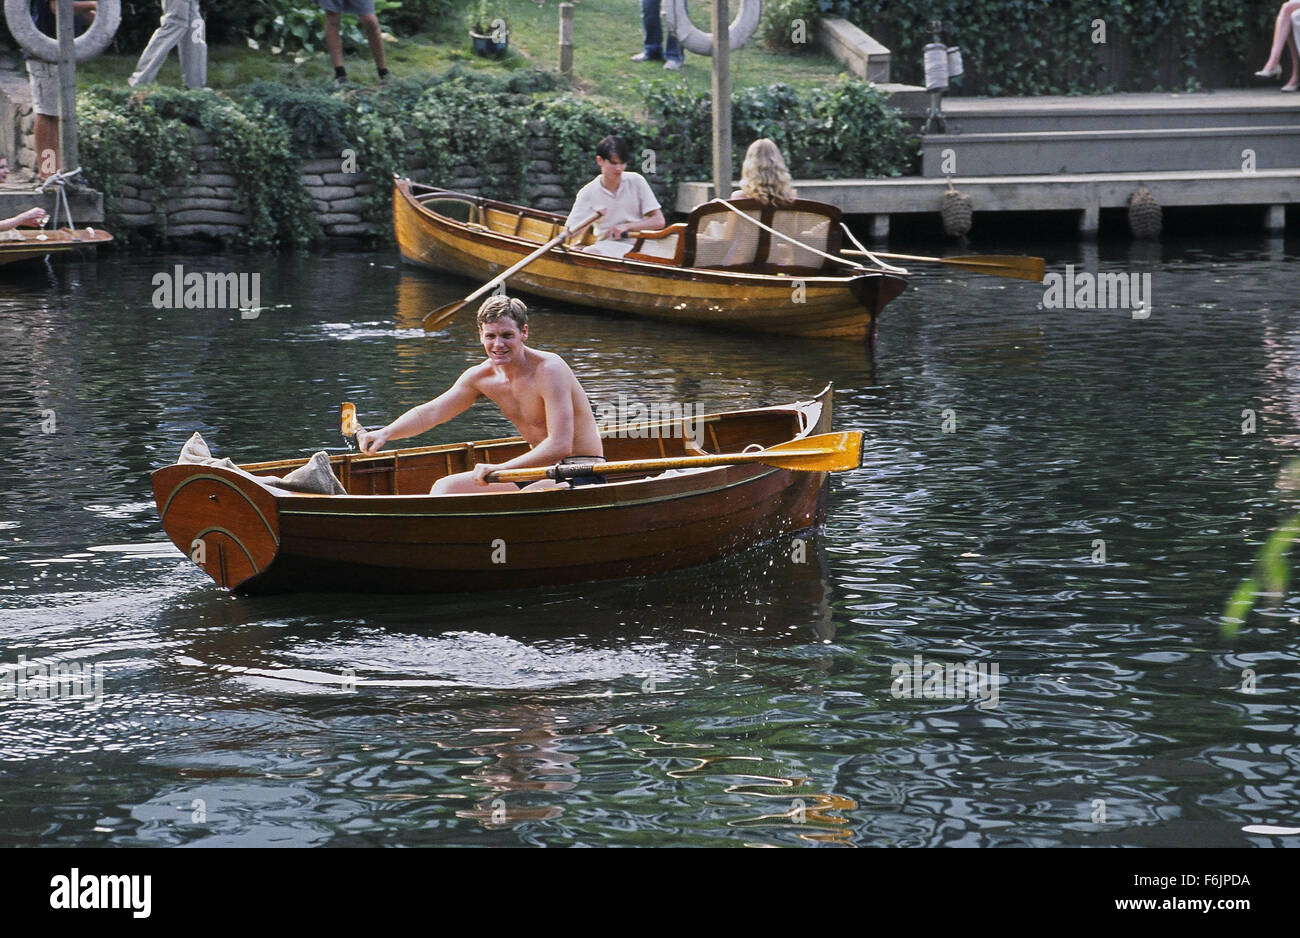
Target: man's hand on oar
x=826, y=452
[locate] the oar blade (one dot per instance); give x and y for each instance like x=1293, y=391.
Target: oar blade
x=442, y=315
x=826, y=452
x=1002, y=265
x=348, y=420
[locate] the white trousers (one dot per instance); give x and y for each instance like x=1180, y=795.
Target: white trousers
x=182, y=25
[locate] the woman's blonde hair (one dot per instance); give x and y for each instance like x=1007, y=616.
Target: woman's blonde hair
x=764, y=175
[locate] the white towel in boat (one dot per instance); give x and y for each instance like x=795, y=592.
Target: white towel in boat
x=315, y=477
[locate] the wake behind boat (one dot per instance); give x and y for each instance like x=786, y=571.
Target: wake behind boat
x=715, y=269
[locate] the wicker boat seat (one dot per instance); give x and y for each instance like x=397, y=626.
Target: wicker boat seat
x=714, y=237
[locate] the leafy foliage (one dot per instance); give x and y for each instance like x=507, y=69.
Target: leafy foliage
x=1054, y=47
x=149, y=133
x=789, y=25
x=844, y=129
x=576, y=126
x=462, y=123
x=299, y=25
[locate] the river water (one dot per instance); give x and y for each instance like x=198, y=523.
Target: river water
x=1062, y=498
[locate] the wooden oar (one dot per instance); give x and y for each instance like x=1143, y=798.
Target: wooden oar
x=1012, y=266
x=826, y=452
x=444, y=313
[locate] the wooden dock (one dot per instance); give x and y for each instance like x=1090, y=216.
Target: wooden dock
x=1083, y=154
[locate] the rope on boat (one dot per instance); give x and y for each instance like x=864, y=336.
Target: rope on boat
x=796, y=241
x=888, y=268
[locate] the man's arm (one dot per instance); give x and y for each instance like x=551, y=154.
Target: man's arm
x=557, y=396
x=651, y=222
x=450, y=403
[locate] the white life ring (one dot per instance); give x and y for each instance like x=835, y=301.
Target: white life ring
x=701, y=43
x=40, y=46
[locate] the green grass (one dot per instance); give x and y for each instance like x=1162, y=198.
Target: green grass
x=606, y=34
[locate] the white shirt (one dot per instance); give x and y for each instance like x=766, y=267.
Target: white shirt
x=633, y=201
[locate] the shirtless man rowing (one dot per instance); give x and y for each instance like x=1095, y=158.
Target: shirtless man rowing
x=536, y=391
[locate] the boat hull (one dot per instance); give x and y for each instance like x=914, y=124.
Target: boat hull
x=807, y=306
x=33, y=244
x=256, y=541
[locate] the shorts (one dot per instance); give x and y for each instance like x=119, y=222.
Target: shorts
x=44, y=79
x=358, y=7
x=594, y=479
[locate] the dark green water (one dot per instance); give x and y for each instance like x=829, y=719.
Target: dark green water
x=749, y=702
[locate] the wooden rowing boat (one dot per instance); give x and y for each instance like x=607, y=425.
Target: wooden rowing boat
x=26, y=244
x=387, y=535
x=715, y=269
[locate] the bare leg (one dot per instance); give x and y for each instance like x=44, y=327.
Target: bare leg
x=370, y=23
x=1295, y=63
x=332, y=41
x=46, y=132
x=1281, y=34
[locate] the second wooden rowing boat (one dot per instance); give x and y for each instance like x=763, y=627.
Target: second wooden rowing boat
x=715, y=269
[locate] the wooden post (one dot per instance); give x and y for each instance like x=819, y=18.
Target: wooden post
x=68, y=157
x=721, y=100
x=566, y=38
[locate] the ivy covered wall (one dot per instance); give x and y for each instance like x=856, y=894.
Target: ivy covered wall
x=279, y=165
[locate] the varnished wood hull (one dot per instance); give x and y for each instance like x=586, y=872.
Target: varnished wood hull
x=34, y=244
x=820, y=307
x=258, y=541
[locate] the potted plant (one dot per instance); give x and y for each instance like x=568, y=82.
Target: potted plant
x=489, y=32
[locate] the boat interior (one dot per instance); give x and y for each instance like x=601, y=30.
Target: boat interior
x=713, y=237
x=414, y=471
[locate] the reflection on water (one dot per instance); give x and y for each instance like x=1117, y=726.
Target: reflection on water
x=744, y=703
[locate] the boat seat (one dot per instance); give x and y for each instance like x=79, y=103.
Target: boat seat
x=715, y=238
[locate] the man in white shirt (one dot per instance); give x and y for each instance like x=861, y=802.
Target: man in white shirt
x=625, y=197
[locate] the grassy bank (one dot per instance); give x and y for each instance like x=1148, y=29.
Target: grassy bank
x=606, y=34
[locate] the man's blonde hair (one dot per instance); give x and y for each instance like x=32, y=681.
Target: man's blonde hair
x=499, y=306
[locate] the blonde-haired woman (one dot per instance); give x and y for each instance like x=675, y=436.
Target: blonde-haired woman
x=764, y=176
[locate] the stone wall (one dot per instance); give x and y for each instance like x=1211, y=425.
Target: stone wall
x=208, y=206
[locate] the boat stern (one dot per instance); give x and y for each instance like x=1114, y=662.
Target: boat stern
x=226, y=523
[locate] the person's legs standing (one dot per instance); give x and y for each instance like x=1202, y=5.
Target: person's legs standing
x=193, y=49
x=370, y=24
x=653, y=30
x=173, y=29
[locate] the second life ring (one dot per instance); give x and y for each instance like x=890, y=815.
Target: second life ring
x=89, y=44
x=700, y=42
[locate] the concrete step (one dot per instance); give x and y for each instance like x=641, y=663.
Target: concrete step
x=1112, y=151
x=1235, y=108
